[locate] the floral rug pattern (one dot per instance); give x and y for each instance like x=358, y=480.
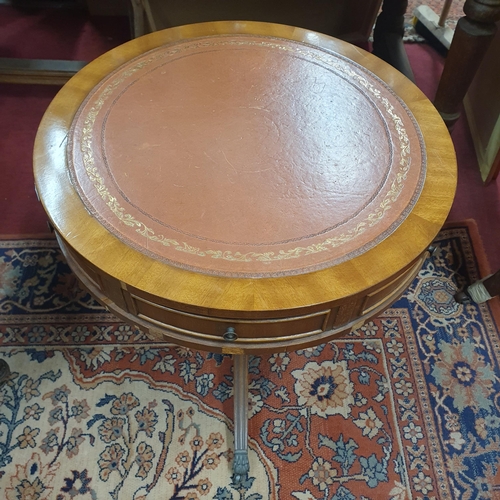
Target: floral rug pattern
x=407, y=406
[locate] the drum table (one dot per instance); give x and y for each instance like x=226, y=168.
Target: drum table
x=243, y=187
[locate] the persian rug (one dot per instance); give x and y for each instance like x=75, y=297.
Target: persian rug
x=405, y=407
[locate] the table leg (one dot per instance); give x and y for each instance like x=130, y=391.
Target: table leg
x=240, y=387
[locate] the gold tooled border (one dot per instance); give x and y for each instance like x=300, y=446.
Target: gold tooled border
x=319, y=55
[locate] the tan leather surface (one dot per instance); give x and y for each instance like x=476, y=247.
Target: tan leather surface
x=246, y=156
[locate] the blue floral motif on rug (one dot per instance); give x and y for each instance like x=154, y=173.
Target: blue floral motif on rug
x=406, y=406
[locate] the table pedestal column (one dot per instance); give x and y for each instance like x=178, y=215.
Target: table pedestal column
x=4, y=372
x=240, y=387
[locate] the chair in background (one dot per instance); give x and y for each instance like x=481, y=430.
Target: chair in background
x=349, y=20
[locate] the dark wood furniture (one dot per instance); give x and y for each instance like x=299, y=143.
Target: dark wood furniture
x=349, y=20
x=482, y=108
x=388, y=36
x=473, y=36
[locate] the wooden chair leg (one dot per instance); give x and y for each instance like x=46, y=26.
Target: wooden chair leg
x=472, y=38
x=388, y=36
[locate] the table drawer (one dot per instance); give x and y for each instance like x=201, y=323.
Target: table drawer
x=214, y=328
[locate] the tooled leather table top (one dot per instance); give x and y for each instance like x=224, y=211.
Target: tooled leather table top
x=240, y=155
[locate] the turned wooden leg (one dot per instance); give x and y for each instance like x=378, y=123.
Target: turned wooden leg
x=388, y=36
x=472, y=38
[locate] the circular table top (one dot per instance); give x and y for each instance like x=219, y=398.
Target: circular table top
x=210, y=155
x=244, y=155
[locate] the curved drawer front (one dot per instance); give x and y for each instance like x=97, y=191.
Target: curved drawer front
x=234, y=331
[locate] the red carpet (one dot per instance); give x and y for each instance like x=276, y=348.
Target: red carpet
x=44, y=34
x=58, y=34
